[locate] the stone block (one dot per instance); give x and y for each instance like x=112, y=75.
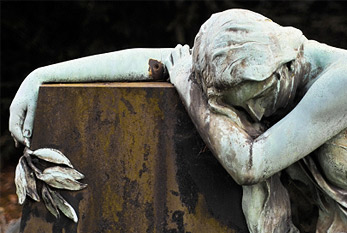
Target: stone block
x=146, y=167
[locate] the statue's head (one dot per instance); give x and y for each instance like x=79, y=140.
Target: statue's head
x=239, y=55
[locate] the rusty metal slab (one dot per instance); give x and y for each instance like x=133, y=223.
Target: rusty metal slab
x=146, y=167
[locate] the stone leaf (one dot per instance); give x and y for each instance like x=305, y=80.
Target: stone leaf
x=52, y=155
x=49, y=202
x=64, y=206
x=60, y=180
x=20, y=181
x=31, y=190
x=64, y=170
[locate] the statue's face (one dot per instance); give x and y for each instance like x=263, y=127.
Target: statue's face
x=265, y=97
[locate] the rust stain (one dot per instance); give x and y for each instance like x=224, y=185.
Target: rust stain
x=156, y=70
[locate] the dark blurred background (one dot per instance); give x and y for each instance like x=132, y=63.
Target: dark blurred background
x=38, y=33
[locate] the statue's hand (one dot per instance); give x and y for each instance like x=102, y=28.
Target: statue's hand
x=179, y=54
x=22, y=109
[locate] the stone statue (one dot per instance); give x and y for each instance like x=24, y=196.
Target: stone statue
x=265, y=99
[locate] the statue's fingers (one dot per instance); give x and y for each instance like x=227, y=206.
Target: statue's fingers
x=16, y=125
x=28, y=125
x=185, y=50
x=176, y=54
x=173, y=57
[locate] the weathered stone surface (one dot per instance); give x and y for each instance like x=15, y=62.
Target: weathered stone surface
x=146, y=167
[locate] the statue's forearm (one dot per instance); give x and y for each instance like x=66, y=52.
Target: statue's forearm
x=125, y=65
x=294, y=137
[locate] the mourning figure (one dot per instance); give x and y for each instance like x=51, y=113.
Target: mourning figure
x=266, y=100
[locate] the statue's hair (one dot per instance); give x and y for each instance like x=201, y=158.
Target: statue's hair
x=238, y=45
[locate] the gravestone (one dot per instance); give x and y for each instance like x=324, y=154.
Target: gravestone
x=146, y=167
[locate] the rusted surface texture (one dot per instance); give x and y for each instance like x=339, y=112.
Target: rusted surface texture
x=157, y=70
x=146, y=167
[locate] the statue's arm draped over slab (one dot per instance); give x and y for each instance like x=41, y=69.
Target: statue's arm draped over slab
x=125, y=65
x=320, y=115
